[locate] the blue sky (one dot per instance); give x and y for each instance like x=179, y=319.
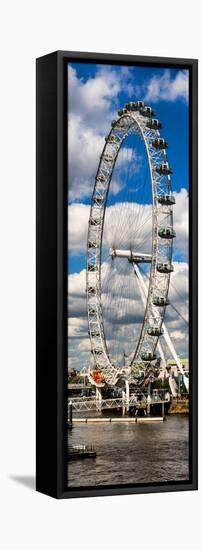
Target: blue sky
x=95, y=94
x=174, y=115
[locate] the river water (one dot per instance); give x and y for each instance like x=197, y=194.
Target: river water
x=131, y=453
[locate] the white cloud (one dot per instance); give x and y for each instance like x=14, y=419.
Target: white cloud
x=77, y=283
x=78, y=215
x=177, y=335
x=125, y=313
x=84, y=345
x=77, y=327
x=92, y=106
x=90, y=114
x=166, y=88
x=128, y=223
x=91, y=99
x=181, y=224
x=77, y=295
x=84, y=148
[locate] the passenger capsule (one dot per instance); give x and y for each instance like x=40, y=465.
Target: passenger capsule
x=166, y=233
x=154, y=124
x=160, y=301
x=166, y=199
x=139, y=104
x=165, y=267
x=122, y=112
x=155, y=331
x=94, y=333
x=96, y=351
x=131, y=106
x=164, y=169
x=148, y=356
x=111, y=139
x=147, y=111
x=160, y=143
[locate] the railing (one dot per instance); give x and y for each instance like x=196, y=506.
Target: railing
x=89, y=404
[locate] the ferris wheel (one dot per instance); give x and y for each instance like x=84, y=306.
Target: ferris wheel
x=127, y=257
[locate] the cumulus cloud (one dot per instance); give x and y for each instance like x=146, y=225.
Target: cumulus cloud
x=77, y=295
x=181, y=224
x=77, y=327
x=123, y=313
x=89, y=118
x=78, y=215
x=84, y=345
x=128, y=225
x=177, y=335
x=92, y=106
x=166, y=88
x=77, y=283
x=91, y=99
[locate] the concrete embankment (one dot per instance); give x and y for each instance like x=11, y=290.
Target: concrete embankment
x=179, y=406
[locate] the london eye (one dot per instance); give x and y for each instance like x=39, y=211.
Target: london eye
x=129, y=248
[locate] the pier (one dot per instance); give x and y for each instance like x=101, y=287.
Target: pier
x=138, y=402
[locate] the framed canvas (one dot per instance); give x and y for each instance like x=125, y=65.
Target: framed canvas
x=116, y=274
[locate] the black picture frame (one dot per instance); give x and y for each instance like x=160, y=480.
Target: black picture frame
x=51, y=240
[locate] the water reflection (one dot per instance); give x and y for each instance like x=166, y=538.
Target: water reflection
x=131, y=453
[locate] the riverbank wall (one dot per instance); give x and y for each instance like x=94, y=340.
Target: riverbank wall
x=122, y=419
x=179, y=406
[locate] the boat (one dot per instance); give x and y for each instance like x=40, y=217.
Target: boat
x=80, y=452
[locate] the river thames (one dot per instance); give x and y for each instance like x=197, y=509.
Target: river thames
x=131, y=453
